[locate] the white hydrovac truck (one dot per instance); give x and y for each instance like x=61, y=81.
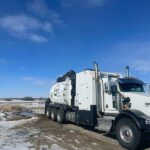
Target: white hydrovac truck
x=104, y=101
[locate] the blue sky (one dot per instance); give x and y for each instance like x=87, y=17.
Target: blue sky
x=42, y=39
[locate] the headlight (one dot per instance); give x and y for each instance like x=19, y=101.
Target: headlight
x=147, y=121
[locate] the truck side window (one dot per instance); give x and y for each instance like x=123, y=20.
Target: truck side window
x=114, y=90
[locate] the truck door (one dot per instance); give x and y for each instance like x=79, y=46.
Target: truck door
x=110, y=102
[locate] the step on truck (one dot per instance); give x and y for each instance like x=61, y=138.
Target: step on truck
x=104, y=101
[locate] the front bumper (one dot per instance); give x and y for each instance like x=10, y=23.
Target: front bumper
x=144, y=126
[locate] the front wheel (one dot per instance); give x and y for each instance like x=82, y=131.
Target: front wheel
x=128, y=134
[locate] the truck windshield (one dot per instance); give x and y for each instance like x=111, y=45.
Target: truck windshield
x=131, y=87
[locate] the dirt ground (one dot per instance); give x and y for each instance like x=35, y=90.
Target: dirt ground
x=24, y=130
x=47, y=134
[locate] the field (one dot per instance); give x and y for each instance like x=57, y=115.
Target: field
x=24, y=126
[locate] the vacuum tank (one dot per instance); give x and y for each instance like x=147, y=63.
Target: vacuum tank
x=63, y=91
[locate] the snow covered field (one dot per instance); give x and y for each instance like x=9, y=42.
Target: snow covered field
x=18, y=120
x=24, y=127
x=11, y=117
x=21, y=128
x=36, y=106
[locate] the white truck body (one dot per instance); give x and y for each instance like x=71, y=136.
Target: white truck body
x=139, y=101
x=105, y=101
x=85, y=90
x=85, y=94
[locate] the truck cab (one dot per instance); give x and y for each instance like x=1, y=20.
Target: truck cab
x=126, y=93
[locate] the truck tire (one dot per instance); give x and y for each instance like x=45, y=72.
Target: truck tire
x=60, y=116
x=48, y=113
x=47, y=102
x=53, y=114
x=128, y=134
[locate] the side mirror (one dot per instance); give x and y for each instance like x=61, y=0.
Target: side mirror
x=107, y=88
x=126, y=100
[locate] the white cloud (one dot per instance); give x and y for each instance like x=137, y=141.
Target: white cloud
x=41, y=9
x=24, y=23
x=36, y=81
x=133, y=52
x=38, y=7
x=37, y=38
x=126, y=52
x=3, y=61
x=141, y=65
x=95, y=3
x=134, y=46
x=28, y=78
x=23, y=26
x=34, y=26
x=84, y=3
x=39, y=82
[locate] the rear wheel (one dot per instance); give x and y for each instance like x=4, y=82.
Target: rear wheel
x=60, y=116
x=47, y=113
x=53, y=114
x=128, y=134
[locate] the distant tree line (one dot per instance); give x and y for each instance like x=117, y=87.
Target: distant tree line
x=28, y=98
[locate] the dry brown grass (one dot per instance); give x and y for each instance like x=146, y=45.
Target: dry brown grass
x=11, y=107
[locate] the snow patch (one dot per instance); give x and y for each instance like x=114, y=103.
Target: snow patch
x=94, y=144
x=27, y=114
x=77, y=141
x=50, y=138
x=2, y=114
x=56, y=147
x=11, y=124
x=72, y=131
x=17, y=146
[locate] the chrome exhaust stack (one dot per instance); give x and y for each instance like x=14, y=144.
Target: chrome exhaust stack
x=127, y=71
x=96, y=69
x=97, y=88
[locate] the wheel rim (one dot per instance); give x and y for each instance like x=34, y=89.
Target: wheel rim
x=47, y=113
x=126, y=134
x=58, y=117
x=52, y=115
